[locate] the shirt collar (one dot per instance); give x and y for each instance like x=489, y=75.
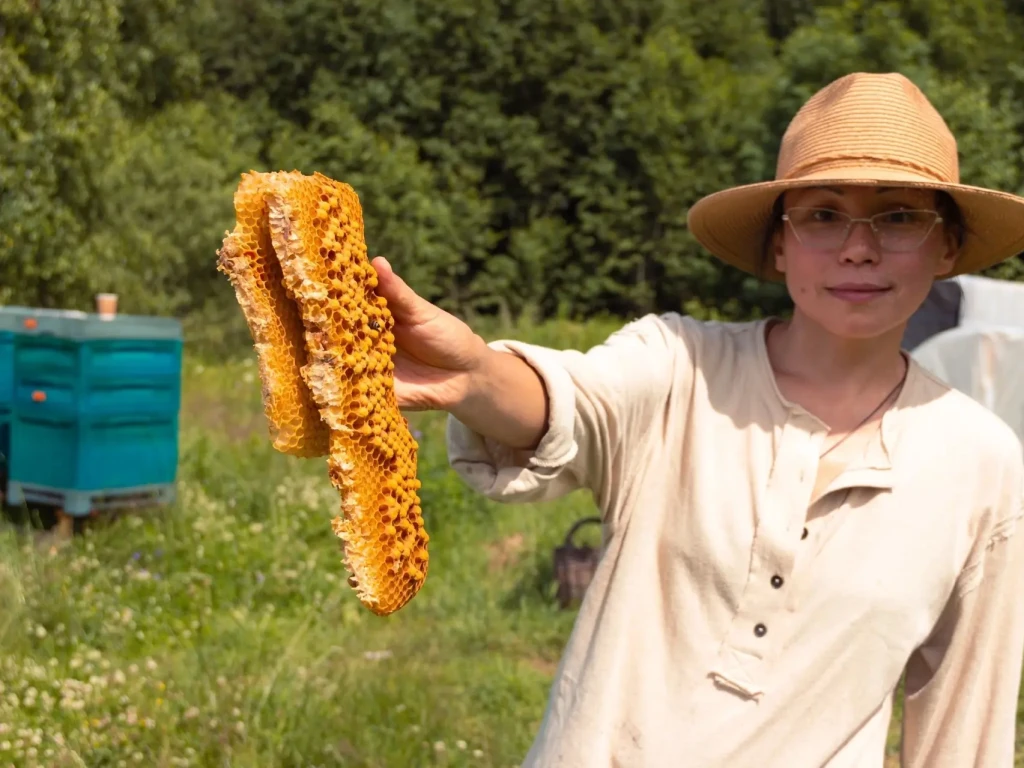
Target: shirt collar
x=875, y=470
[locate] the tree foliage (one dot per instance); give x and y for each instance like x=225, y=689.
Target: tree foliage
x=521, y=158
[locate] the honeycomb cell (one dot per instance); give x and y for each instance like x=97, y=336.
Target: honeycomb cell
x=342, y=347
x=247, y=257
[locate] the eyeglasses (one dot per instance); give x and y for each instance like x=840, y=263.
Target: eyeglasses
x=827, y=230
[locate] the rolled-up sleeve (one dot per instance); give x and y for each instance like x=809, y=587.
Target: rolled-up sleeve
x=962, y=686
x=599, y=401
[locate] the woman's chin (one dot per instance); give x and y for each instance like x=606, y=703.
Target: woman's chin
x=863, y=328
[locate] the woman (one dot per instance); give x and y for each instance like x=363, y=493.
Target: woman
x=795, y=513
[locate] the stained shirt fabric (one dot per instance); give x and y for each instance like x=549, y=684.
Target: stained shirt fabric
x=737, y=618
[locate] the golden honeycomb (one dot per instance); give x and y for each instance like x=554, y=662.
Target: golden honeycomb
x=247, y=258
x=317, y=237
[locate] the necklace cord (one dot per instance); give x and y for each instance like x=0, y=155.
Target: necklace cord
x=866, y=419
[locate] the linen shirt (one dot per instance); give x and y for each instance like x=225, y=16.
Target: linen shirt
x=734, y=620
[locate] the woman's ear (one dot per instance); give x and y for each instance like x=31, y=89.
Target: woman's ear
x=778, y=251
x=953, y=231
x=949, y=256
x=777, y=241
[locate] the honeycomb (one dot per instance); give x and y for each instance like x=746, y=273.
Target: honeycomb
x=316, y=232
x=247, y=258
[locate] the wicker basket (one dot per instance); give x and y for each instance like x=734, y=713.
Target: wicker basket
x=575, y=565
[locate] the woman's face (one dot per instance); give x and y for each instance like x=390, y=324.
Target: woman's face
x=861, y=289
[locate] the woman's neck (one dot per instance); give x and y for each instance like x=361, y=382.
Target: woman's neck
x=802, y=351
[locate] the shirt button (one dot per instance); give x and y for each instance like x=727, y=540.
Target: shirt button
x=760, y=630
x=776, y=581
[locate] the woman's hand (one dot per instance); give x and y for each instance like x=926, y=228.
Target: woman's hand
x=442, y=365
x=437, y=353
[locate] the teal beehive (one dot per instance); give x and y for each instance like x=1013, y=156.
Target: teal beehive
x=5, y=441
x=94, y=408
x=6, y=370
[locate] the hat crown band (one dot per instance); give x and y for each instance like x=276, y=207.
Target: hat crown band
x=839, y=165
x=879, y=122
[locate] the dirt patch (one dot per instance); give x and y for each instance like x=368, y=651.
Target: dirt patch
x=503, y=553
x=544, y=666
x=346, y=749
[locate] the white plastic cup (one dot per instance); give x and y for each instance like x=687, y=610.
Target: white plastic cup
x=106, y=305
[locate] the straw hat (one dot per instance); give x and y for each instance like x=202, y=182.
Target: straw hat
x=862, y=129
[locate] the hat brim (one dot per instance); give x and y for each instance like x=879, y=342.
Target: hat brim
x=732, y=223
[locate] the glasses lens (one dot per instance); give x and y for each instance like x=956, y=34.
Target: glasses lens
x=903, y=230
x=819, y=227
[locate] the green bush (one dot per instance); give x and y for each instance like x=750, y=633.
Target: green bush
x=517, y=161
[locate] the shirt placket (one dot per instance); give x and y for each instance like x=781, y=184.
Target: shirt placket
x=778, y=534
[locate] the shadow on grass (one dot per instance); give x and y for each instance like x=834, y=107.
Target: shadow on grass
x=535, y=585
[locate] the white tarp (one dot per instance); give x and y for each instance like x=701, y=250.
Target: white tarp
x=991, y=302
x=984, y=360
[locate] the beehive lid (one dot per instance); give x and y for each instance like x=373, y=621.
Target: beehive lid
x=78, y=325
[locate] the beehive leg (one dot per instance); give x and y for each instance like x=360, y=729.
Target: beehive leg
x=65, y=527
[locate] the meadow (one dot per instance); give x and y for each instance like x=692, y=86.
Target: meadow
x=220, y=631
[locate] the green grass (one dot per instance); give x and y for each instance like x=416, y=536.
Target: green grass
x=220, y=631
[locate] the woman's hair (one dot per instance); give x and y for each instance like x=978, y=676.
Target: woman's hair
x=947, y=207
